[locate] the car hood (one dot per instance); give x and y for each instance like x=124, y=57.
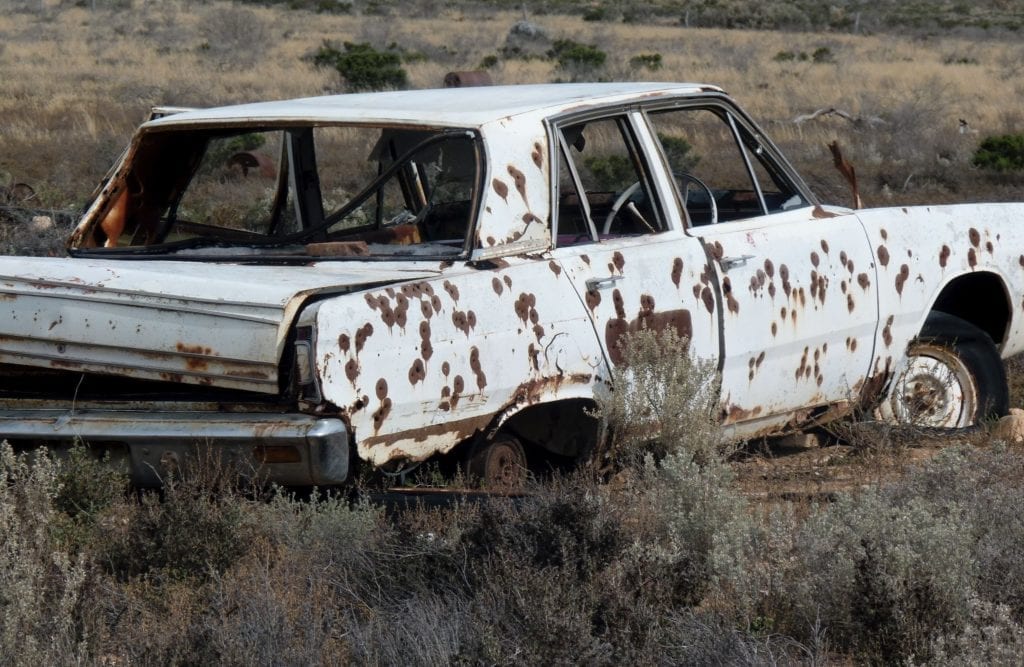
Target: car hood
x=222, y=325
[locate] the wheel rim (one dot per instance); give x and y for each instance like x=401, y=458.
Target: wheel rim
x=935, y=390
x=504, y=466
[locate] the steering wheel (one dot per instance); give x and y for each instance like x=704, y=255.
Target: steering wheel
x=684, y=180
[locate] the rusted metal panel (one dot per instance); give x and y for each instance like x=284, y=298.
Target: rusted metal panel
x=800, y=311
x=421, y=366
x=218, y=325
x=921, y=250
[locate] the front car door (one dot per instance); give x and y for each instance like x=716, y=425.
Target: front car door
x=796, y=283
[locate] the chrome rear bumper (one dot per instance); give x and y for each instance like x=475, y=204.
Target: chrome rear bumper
x=289, y=449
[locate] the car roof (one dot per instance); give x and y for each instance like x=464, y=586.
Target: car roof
x=445, y=107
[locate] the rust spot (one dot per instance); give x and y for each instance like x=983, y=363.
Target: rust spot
x=426, y=310
x=538, y=155
x=1021, y=261
x=352, y=370
x=815, y=260
x=771, y=290
x=508, y=281
x=381, y=413
x=853, y=345
x=502, y=189
x=884, y=234
x=769, y=268
x=586, y=259
x=677, y=271
x=435, y=302
x=593, y=299
x=538, y=331
x=524, y=306
x=491, y=240
x=362, y=333
x=849, y=266
x=497, y=286
x=446, y=368
x=532, y=354
x=453, y=290
x=676, y=320
x=417, y=372
x=824, y=246
x=820, y=213
x=708, y=299
x=784, y=275
x=717, y=252
x=974, y=236
x=944, y=256
x=850, y=305
x=194, y=349
x=883, y=255
x=901, y=279
x=474, y=365
x=519, y=179
x=863, y=280
x=733, y=304
x=618, y=261
x=382, y=389
x=972, y=258
x=620, y=308
x=989, y=248
x=344, y=343
x=555, y=268
x=530, y=218
x=887, y=331
x=775, y=329
x=842, y=257
x=196, y=364
x=461, y=321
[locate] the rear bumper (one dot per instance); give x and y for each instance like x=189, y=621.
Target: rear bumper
x=289, y=449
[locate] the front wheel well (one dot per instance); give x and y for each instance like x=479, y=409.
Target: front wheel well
x=979, y=298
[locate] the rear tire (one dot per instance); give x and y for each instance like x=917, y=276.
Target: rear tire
x=953, y=378
x=498, y=464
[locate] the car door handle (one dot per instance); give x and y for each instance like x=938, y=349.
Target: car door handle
x=594, y=284
x=732, y=262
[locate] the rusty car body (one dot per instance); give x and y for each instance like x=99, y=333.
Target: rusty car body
x=389, y=277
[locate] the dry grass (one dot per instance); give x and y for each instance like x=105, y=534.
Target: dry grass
x=75, y=83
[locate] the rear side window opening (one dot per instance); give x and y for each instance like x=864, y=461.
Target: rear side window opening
x=331, y=191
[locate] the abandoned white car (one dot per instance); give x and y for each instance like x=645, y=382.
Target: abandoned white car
x=394, y=276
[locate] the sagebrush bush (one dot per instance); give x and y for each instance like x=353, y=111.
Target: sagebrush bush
x=44, y=589
x=662, y=401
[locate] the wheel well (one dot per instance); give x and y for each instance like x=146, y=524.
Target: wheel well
x=979, y=298
x=565, y=428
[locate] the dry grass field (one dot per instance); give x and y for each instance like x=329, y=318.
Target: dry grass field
x=879, y=550
x=75, y=82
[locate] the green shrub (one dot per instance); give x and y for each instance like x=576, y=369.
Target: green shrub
x=1002, y=153
x=610, y=172
x=650, y=61
x=488, y=62
x=573, y=55
x=363, y=67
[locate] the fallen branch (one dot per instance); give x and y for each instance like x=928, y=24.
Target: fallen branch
x=832, y=111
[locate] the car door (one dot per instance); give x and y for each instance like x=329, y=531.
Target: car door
x=623, y=249
x=797, y=283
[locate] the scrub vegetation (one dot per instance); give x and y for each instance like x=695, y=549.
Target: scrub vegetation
x=660, y=550
x=653, y=553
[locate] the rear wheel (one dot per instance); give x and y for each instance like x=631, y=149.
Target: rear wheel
x=499, y=463
x=953, y=378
